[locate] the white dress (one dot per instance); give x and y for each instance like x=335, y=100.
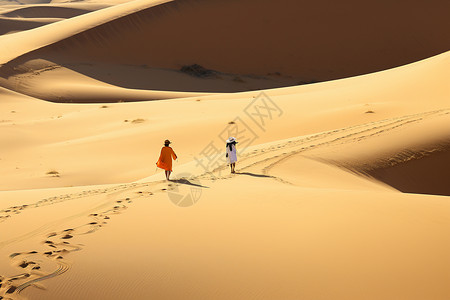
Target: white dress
x=232, y=156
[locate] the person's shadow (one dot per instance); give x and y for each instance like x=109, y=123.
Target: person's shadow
x=254, y=175
x=187, y=182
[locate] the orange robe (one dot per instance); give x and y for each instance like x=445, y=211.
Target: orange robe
x=165, y=159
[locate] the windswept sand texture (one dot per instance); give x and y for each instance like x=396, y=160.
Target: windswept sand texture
x=341, y=190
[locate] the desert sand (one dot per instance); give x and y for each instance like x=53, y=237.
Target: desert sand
x=341, y=111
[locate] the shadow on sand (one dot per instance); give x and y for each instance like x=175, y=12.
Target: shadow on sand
x=187, y=182
x=254, y=175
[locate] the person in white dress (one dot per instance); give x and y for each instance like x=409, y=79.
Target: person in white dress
x=231, y=153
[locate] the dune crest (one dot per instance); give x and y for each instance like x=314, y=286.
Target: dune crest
x=341, y=187
x=242, y=37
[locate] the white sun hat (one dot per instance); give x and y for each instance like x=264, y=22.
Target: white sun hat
x=231, y=139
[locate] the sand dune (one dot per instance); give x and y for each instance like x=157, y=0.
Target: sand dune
x=341, y=190
x=248, y=42
x=20, y=43
x=316, y=50
x=418, y=175
x=17, y=18
x=255, y=244
x=45, y=80
x=409, y=153
x=68, y=83
x=44, y=12
x=8, y=26
x=307, y=110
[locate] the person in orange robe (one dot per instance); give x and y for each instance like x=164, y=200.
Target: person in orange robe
x=165, y=159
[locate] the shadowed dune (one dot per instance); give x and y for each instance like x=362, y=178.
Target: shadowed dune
x=8, y=25
x=45, y=12
x=25, y=2
x=21, y=17
x=425, y=175
x=410, y=154
x=284, y=43
x=310, y=40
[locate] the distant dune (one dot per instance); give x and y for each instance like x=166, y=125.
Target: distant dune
x=20, y=17
x=12, y=25
x=45, y=12
x=310, y=40
x=278, y=44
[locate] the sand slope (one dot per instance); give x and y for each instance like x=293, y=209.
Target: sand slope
x=314, y=211
x=341, y=190
x=418, y=88
x=273, y=236
x=24, y=42
x=244, y=36
x=21, y=17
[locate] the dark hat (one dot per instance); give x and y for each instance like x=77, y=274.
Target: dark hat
x=166, y=142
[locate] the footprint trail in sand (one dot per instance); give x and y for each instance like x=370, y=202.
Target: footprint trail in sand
x=37, y=266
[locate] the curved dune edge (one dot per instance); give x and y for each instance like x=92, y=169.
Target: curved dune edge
x=120, y=29
x=16, y=18
x=421, y=173
x=307, y=110
x=386, y=155
x=52, y=82
x=288, y=39
x=9, y=26
x=36, y=11
x=15, y=45
x=412, y=158
x=79, y=29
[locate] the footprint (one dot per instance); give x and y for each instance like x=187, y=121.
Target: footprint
x=61, y=243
